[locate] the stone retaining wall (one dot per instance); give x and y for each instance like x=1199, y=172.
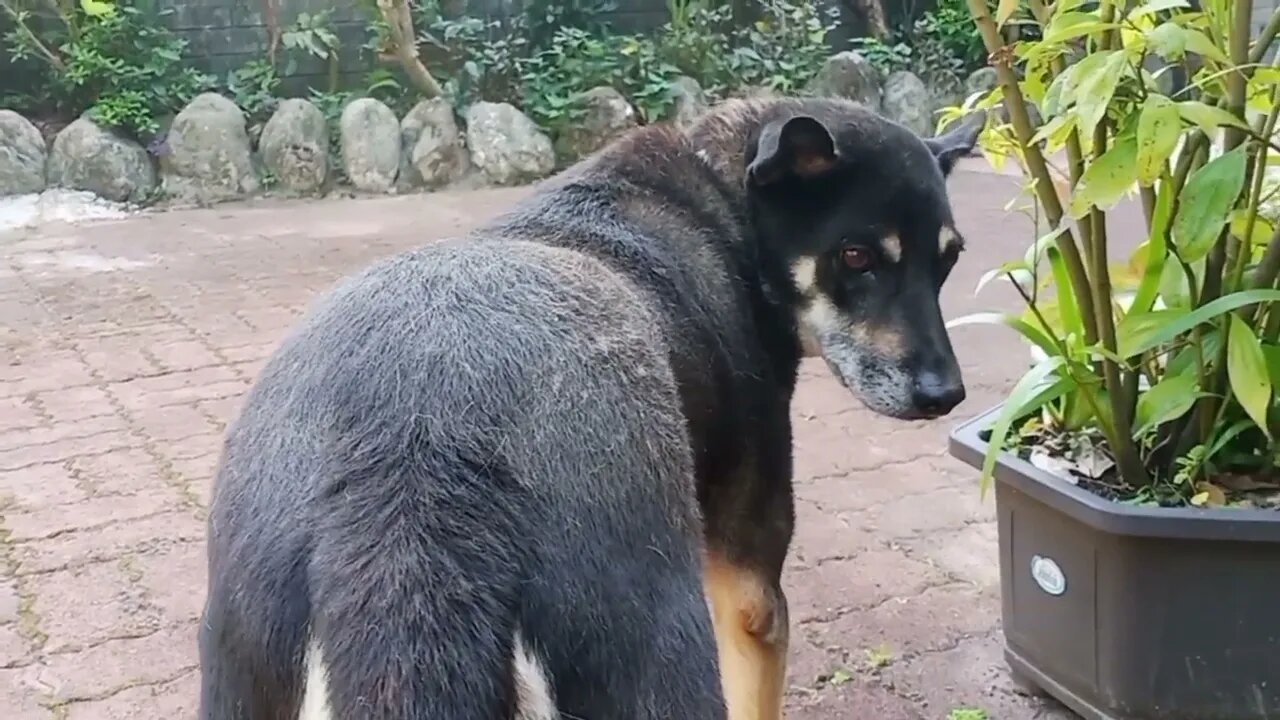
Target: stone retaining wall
x=209, y=155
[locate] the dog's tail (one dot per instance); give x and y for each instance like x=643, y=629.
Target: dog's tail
x=414, y=582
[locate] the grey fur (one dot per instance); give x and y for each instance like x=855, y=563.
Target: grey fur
x=541, y=427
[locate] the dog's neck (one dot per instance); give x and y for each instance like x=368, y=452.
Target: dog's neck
x=720, y=138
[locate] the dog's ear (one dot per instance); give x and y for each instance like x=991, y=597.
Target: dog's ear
x=956, y=142
x=797, y=147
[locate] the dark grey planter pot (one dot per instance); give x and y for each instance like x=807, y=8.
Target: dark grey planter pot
x=1134, y=613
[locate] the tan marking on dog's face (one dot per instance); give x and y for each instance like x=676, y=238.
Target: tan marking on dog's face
x=804, y=272
x=947, y=239
x=892, y=247
x=883, y=341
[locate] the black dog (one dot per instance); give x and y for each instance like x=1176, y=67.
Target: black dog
x=544, y=470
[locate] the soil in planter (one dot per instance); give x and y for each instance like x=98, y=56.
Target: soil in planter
x=1081, y=458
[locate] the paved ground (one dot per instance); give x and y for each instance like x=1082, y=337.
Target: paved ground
x=124, y=349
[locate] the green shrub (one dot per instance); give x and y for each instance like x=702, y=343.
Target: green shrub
x=577, y=61
x=1156, y=377
x=255, y=88
x=782, y=48
x=113, y=59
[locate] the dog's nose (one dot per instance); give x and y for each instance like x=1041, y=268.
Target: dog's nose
x=936, y=395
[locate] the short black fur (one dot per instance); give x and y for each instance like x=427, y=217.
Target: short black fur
x=541, y=431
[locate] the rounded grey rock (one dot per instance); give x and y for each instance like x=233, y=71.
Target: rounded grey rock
x=87, y=156
x=506, y=145
x=433, y=153
x=22, y=155
x=908, y=102
x=690, y=101
x=981, y=80
x=295, y=146
x=606, y=115
x=849, y=75
x=208, y=158
x=370, y=137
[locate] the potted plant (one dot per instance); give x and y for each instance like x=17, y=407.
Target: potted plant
x=1135, y=463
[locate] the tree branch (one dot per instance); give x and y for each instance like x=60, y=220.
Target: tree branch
x=400, y=26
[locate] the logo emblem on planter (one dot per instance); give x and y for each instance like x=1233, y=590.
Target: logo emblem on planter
x=1048, y=575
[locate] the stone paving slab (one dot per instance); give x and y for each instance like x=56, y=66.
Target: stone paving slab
x=125, y=347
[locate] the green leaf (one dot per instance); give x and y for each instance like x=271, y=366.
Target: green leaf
x=1169, y=324
x=1175, y=290
x=1072, y=25
x=1038, y=248
x=1106, y=179
x=1205, y=204
x=1159, y=128
x=1016, y=268
x=1168, y=41
x=1005, y=10
x=1056, y=97
x=1029, y=394
x=1068, y=309
x=1227, y=436
x=1096, y=87
x=97, y=8
x=1157, y=251
x=1033, y=334
x=1247, y=370
x=1208, y=117
x=1199, y=43
x=1169, y=399
x=1056, y=131
x=1262, y=227
x=1272, y=355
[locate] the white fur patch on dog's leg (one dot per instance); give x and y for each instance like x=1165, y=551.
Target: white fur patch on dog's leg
x=534, y=698
x=315, y=691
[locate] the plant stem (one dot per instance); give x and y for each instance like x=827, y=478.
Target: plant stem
x=1218, y=386
x=1075, y=154
x=1269, y=266
x=1236, y=81
x=49, y=56
x=1018, y=116
x=1148, y=194
x=1242, y=248
x=1265, y=38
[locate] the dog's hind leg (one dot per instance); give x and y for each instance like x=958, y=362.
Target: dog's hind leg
x=749, y=612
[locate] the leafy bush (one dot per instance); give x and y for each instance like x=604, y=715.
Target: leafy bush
x=948, y=31
x=543, y=19
x=577, y=61
x=940, y=46
x=1156, y=377
x=113, y=59
x=255, y=88
x=884, y=56
x=786, y=47
x=475, y=59
x=782, y=48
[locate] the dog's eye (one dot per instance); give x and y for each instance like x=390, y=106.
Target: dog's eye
x=856, y=258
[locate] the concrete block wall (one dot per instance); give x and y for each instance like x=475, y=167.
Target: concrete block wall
x=225, y=34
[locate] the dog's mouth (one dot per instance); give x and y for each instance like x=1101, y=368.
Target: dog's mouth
x=881, y=398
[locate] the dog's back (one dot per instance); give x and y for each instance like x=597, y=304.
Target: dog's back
x=464, y=489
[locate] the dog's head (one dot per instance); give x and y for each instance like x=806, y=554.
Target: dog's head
x=857, y=208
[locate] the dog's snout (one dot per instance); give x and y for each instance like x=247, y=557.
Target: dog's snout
x=935, y=395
